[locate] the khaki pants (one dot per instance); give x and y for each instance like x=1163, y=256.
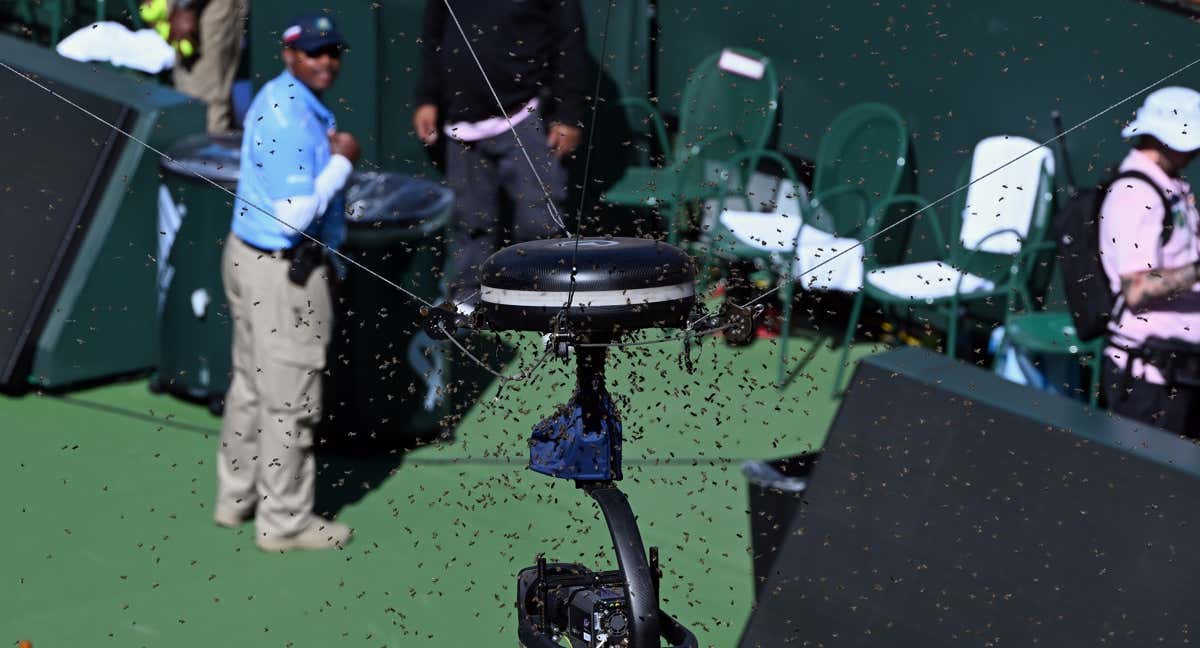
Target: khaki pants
x=280, y=332
x=210, y=77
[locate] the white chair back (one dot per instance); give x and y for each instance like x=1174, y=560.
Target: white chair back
x=1007, y=198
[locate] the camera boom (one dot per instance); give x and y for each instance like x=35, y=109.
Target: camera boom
x=586, y=294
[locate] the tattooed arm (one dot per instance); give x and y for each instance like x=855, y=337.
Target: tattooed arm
x=1152, y=284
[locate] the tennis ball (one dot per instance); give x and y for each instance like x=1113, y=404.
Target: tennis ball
x=186, y=48
x=154, y=11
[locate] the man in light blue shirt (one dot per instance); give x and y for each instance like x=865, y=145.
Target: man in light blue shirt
x=294, y=166
x=286, y=154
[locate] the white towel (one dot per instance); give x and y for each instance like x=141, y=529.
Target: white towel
x=1005, y=199
x=114, y=43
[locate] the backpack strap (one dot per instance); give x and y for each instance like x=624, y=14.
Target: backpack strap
x=1168, y=228
x=1168, y=224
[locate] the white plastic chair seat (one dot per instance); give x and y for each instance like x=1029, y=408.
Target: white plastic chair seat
x=776, y=233
x=765, y=231
x=828, y=262
x=926, y=281
x=753, y=217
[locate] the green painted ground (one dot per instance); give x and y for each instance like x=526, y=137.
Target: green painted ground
x=110, y=540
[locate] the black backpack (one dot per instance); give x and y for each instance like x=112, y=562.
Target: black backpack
x=1077, y=231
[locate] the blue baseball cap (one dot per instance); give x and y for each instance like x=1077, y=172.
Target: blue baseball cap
x=312, y=31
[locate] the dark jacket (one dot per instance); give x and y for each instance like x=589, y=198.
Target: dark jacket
x=527, y=47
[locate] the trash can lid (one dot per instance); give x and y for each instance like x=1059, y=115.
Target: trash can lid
x=378, y=199
x=763, y=474
x=217, y=158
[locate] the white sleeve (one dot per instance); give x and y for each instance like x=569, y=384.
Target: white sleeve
x=298, y=212
x=332, y=178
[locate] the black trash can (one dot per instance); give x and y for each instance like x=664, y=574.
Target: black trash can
x=777, y=489
x=193, y=220
x=386, y=385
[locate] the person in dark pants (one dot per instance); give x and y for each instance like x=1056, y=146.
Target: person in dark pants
x=533, y=54
x=1159, y=327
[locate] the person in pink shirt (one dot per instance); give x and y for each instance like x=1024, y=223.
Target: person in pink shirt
x=1156, y=282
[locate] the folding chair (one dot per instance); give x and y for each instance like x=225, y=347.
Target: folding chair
x=1052, y=333
x=998, y=227
x=764, y=224
x=861, y=162
x=728, y=106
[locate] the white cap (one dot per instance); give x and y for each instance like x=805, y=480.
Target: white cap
x=1172, y=115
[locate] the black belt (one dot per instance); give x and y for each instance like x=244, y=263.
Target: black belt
x=285, y=253
x=305, y=256
x=1178, y=361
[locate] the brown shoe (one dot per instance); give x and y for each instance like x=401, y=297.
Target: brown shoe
x=320, y=534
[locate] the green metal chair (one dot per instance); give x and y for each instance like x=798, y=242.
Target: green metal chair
x=785, y=203
x=723, y=112
x=1052, y=333
x=998, y=225
x=861, y=162
x=785, y=208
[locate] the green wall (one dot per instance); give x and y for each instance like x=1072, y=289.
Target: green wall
x=956, y=71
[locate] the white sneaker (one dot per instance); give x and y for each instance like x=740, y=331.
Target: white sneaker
x=320, y=534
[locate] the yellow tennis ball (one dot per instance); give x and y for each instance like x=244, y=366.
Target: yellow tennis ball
x=153, y=11
x=186, y=48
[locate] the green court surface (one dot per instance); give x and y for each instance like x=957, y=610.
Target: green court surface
x=110, y=541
